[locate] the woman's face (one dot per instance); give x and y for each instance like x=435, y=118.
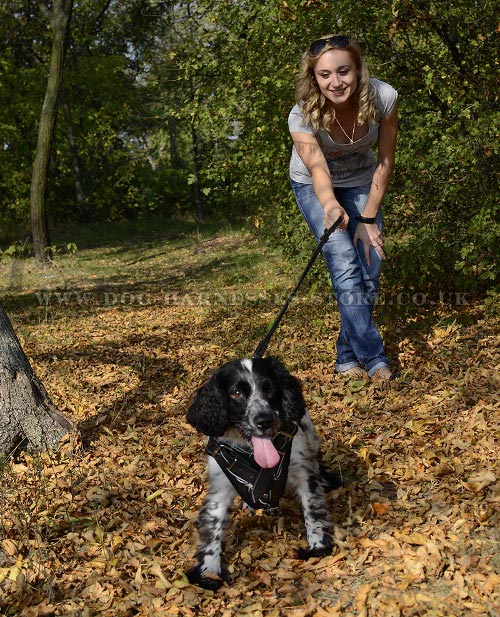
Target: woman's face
x=337, y=76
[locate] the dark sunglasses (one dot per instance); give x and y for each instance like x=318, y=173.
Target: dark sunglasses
x=334, y=41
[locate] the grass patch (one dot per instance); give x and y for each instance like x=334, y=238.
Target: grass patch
x=130, y=232
x=136, y=262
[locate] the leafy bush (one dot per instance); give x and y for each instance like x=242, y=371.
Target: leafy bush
x=442, y=210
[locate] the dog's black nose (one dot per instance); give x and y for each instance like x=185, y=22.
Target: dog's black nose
x=264, y=422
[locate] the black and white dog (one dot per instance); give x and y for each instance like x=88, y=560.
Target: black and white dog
x=247, y=403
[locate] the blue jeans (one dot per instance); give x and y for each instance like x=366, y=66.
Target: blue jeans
x=354, y=282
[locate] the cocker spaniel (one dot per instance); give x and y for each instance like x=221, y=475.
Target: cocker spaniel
x=261, y=437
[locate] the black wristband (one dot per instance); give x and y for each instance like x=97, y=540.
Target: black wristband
x=366, y=219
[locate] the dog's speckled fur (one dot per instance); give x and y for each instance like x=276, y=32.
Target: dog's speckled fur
x=247, y=398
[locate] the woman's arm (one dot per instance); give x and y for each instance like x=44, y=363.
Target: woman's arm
x=369, y=234
x=311, y=154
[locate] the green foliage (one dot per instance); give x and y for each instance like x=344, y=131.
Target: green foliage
x=444, y=197
x=17, y=250
x=69, y=248
x=442, y=208
x=22, y=87
x=107, y=109
x=24, y=250
x=181, y=109
x=491, y=305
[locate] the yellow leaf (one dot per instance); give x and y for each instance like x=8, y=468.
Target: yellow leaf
x=14, y=572
x=254, y=610
x=158, y=572
x=44, y=609
x=414, y=569
x=418, y=538
x=298, y=611
x=246, y=556
x=4, y=573
x=361, y=599
x=154, y=495
x=9, y=547
x=180, y=584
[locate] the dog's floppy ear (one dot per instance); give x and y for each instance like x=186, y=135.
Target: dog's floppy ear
x=208, y=410
x=294, y=405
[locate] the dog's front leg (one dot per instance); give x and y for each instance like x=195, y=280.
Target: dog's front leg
x=316, y=517
x=212, y=520
x=305, y=477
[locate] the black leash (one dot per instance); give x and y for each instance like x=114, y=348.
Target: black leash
x=262, y=346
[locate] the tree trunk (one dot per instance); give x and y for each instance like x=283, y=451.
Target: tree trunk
x=81, y=198
x=175, y=158
x=61, y=14
x=196, y=169
x=27, y=415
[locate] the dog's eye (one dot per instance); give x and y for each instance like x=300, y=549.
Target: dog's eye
x=236, y=394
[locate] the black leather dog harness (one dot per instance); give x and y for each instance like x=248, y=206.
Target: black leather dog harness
x=259, y=488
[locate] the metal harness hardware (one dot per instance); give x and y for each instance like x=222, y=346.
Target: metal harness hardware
x=259, y=488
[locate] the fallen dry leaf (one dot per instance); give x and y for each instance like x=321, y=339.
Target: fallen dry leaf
x=480, y=480
x=109, y=528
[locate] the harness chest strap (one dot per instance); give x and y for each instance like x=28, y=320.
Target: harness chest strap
x=259, y=488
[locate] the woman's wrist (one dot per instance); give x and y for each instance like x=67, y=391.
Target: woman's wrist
x=334, y=211
x=368, y=220
x=331, y=205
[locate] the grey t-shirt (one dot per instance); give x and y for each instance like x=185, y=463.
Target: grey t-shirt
x=349, y=164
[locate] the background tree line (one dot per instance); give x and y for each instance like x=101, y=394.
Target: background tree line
x=180, y=109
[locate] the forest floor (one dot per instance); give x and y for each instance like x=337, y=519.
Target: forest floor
x=121, y=335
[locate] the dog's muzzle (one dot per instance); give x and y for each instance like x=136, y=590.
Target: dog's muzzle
x=260, y=488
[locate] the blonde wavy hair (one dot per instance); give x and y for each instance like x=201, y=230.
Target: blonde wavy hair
x=315, y=106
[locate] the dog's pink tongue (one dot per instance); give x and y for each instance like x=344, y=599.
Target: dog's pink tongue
x=264, y=453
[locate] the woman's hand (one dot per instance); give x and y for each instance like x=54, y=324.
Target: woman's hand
x=370, y=235
x=332, y=213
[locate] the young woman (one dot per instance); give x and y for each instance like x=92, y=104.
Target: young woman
x=340, y=115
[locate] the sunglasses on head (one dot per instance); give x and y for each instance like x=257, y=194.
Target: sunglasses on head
x=333, y=41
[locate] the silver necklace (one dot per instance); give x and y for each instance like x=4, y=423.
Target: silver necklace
x=351, y=139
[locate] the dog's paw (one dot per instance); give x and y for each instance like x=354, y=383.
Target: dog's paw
x=319, y=551
x=207, y=580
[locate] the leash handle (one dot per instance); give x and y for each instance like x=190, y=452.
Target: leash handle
x=262, y=346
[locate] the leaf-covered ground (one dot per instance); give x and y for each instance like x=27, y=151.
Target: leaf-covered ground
x=122, y=335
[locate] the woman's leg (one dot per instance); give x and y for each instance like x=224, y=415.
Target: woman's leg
x=353, y=200
x=354, y=283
